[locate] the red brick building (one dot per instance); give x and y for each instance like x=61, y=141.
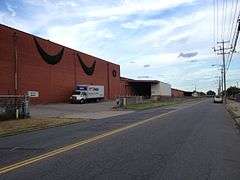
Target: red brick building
x=177, y=93
x=29, y=63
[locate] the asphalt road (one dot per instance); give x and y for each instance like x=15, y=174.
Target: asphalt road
x=197, y=142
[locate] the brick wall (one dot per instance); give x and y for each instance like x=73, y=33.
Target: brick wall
x=54, y=83
x=125, y=88
x=177, y=93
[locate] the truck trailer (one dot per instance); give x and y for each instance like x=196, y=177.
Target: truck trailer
x=86, y=93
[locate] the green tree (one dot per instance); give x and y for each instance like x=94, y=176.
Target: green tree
x=211, y=93
x=232, y=91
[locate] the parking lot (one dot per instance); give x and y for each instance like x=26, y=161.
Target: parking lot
x=65, y=110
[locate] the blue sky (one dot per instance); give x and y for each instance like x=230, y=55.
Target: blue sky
x=146, y=37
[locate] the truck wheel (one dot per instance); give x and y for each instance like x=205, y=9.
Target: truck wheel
x=82, y=101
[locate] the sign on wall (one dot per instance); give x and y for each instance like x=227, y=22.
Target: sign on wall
x=33, y=93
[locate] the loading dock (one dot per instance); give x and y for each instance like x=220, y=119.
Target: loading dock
x=145, y=88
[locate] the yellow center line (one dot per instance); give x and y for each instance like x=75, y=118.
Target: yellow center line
x=80, y=143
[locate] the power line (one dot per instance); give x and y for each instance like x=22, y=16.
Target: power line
x=226, y=31
x=231, y=27
x=233, y=22
x=235, y=43
x=217, y=21
x=225, y=18
x=232, y=18
x=234, y=39
x=223, y=12
x=214, y=21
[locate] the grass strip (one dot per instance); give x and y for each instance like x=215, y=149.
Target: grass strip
x=12, y=127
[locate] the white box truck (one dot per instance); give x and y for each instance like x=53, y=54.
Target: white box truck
x=85, y=93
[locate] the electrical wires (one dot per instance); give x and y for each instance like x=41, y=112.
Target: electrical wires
x=226, y=25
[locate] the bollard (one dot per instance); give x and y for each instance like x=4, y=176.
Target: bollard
x=17, y=113
x=124, y=102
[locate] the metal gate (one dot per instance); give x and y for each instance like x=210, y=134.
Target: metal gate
x=14, y=107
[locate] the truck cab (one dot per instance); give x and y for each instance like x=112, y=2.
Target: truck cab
x=78, y=97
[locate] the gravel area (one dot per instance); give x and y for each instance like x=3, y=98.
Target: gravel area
x=64, y=110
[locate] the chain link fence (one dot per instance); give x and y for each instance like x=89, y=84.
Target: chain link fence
x=14, y=107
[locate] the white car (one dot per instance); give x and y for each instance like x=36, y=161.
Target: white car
x=218, y=99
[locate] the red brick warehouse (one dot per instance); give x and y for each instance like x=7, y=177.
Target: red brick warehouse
x=30, y=63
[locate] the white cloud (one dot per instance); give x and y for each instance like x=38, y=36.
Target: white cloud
x=1, y=17
x=167, y=29
x=86, y=37
x=127, y=7
x=124, y=31
x=144, y=23
x=154, y=60
x=11, y=10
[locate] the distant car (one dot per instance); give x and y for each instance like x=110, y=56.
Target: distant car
x=218, y=99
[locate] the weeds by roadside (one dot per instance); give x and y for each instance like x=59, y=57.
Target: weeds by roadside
x=154, y=104
x=11, y=127
x=234, y=109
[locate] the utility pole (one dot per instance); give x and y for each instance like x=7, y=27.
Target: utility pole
x=222, y=79
x=219, y=85
x=224, y=71
x=223, y=51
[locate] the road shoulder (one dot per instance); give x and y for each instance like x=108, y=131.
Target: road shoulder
x=233, y=108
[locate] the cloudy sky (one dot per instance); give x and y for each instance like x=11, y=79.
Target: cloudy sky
x=167, y=40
